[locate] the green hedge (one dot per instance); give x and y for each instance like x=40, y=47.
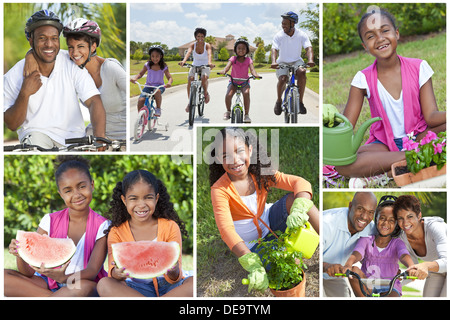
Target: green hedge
x=30, y=190
x=340, y=20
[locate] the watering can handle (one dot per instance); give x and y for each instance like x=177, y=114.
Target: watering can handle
x=343, y=118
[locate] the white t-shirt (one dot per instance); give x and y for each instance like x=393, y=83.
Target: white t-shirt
x=77, y=262
x=394, y=108
x=54, y=109
x=290, y=48
x=246, y=228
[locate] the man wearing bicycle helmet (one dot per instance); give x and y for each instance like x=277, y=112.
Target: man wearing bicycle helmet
x=43, y=106
x=287, y=48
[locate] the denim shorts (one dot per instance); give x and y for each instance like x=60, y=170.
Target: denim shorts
x=148, y=289
x=150, y=90
x=278, y=214
x=398, y=143
x=59, y=285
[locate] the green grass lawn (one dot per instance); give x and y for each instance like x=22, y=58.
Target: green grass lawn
x=179, y=74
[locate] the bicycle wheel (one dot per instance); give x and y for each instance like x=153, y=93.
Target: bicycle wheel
x=139, y=126
x=201, y=102
x=295, y=105
x=192, y=105
x=238, y=116
x=152, y=120
x=286, y=105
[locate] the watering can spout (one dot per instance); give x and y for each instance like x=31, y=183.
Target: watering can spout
x=359, y=135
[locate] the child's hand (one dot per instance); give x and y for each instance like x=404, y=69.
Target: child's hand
x=274, y=66
x=133, y=79
x=57, y=274
x=13, y=246
x=181, y=63
x=167, y=85
x=119, y=273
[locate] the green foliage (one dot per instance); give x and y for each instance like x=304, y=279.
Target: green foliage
x=284, y=268
x=224, y=55
x=340, y=20
x=432, y=150
x=260, y=54
x=30, y=190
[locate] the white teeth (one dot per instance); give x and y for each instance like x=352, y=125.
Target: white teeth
x=382, y=47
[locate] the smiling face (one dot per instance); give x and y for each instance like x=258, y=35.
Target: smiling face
x=408, y=220
x=79, y=50
x=46, y=43
x=155, y=56
x=235, y=157
x=379, y=36
x=361, y=211
x=76, y=188
x=241, y=49
x=140, y=201
x=200, y=37
x=386, y=221
x=287, y=25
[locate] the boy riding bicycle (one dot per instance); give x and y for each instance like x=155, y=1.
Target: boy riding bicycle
x=287, y=46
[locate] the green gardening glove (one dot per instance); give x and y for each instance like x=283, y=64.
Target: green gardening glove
x=329, y=111
x=299, y=213
x=257, y=274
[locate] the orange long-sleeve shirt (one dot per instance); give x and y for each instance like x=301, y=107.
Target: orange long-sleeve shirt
x=228, y=205
x=168, y=230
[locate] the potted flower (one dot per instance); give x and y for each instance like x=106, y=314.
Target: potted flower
x=285, y=268
x=424, y=160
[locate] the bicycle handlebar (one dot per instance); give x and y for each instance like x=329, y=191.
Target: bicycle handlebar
x=239, y=79
x=147, y=86
x=188, y=65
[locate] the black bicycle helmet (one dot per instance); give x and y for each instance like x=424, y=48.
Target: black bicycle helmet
x=42, y=18
x=387, y=200
x=290, y=15
x=241, y=40
x=199, y=30
x=155, y=47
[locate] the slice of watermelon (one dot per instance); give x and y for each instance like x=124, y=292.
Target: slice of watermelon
x=35, y=249
x=145, y=259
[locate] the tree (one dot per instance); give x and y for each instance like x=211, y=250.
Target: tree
x=211, y=40
x=138, y=54
x=260, y=53
x=223, y=54
x=312, y=24
x=258, y=41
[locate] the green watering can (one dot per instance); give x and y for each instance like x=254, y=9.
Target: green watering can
x=340, y=144
x=304, y=240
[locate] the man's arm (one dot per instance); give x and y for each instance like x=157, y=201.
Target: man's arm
x=310, y=56
x=98, y=115
x=16, y=115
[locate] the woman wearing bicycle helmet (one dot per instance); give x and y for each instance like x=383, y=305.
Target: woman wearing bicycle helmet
x=379, y=254
x=83, y=37
x=240, y=64
x=156, y=69
x=202, y=55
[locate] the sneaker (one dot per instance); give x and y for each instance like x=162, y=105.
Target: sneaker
x=369, y=182
x=302, y=108
x=277, y=108
x=247, y=119
x=158, y=112
x=227, y=115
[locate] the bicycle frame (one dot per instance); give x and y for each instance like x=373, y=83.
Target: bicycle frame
x=400, y=276
x=146, y=115
x=196, y=94
x=291, y=102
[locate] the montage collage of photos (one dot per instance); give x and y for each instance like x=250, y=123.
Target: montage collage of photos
x=216, y=151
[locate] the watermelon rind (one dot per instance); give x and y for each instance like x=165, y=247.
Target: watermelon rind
x=22, y=235
x=117, y=248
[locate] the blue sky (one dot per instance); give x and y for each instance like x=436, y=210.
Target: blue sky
x=174, y=23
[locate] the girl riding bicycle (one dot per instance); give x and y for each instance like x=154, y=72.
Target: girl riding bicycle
x=156, y=69
x=202, y=54
x=380, y=253
x=398, y=89
x=240, y=65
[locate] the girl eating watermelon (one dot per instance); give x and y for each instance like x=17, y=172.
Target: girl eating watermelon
x=141, y=210
x=78, y=222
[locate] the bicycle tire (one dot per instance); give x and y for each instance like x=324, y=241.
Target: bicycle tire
x=287, y=107
x=192, y=105
x=152, y=120
x=239, y=117
x=295, y=104
x=139, y=126
x=201, y=102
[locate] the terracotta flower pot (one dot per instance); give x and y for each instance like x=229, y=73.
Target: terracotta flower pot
x=408, y=178
x=297, y=291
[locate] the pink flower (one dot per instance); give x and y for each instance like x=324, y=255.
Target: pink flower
x=437, y=148
x=428, y=138
x=417, y=161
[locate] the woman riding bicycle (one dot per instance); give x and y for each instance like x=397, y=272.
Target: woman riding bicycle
x=287, y=46
x=240, y=64
x=202, y=54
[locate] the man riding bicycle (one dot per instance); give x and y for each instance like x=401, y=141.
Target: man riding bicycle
x=43, y=106
x=287, y=47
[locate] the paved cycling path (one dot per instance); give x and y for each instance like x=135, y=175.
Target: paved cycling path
x=179, y=137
